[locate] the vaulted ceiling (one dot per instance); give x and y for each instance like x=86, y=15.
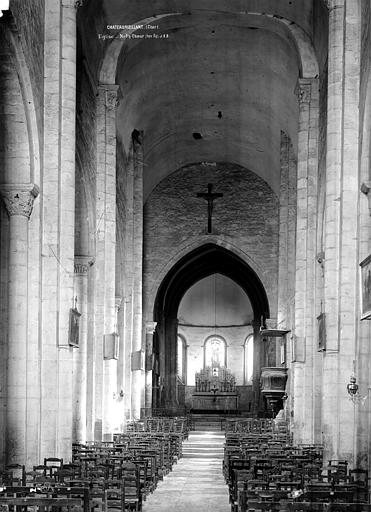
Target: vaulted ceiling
x=219, y=85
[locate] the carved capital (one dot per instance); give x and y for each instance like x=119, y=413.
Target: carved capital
x=112, y=96
x=82, y=265
x=150, y=327
x=72, y=4
x=321, y=259
x=303, y=91
x=333, y=4
x=137, y=138
x=118, y=301
x=365, y=189
x=19, y=198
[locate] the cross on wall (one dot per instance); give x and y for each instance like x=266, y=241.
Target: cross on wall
x=210, y=198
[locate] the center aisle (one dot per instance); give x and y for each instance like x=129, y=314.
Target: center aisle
x=196, y=482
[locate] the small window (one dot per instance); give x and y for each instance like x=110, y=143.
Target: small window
x=182, y=359
x=249, y=359
x=215, y=352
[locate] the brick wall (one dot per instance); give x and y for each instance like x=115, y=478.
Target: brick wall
x=246, y=217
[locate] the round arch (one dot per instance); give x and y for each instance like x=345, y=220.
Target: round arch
x=207, y=355
x=281, y=26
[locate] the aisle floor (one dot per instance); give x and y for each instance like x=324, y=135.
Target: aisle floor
x=196, y=482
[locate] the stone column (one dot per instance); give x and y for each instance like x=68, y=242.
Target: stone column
x=341, y=215
x=18, y=201
x=128, y=282
x=58, y=227
x=105, y=314
x=170, y=384
x=150, y=329
x=90, y=357
x=128, y=327
x=287, y=238
x=306, y=226
x=120, y=403
x=137, y=374
x=80, y=353
x=283, y=269
x=258, y=364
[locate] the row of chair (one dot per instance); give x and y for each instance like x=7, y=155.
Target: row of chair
x=179, y=425
x=265, y=471
x=101, y=476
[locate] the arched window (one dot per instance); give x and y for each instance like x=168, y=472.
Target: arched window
x=215, y=352
x=182, y=359
x=248, y=359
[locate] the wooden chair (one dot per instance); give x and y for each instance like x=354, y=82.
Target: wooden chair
x=133, y=497
x=53, y=465
x=14, y=474
x=263, y=506
x=40, y=504
x=306, y=507
x=114, y=499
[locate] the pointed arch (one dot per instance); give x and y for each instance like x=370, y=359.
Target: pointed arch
x=201, y=262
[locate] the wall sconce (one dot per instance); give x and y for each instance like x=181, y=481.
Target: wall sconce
x=352, y=388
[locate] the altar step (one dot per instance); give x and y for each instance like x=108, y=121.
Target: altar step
x=204, y=445
x=208, y=422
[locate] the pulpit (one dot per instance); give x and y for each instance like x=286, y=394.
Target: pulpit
x=215, y=390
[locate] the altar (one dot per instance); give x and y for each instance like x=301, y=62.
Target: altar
x=215, y=402
x=215, y=390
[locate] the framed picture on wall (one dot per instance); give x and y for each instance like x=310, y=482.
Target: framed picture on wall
x=74, y=328
x=366, y=288
x=321, y=319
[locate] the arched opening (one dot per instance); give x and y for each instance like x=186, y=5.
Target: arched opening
x=215, y=352
x=182, y=359
x=205, y=262
x=248, y=359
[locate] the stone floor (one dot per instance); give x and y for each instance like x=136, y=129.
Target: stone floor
x=196, y=482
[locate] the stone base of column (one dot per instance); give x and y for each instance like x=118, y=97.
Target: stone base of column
x=136, y=393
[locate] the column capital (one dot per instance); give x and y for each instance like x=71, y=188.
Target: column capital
x=150, y=327
x=118, y=302
x=111, y=94
x=333, y=4
x=137, y=140
x=19, y=198
x=82, y=265
x=73, y=3
x=305, y=90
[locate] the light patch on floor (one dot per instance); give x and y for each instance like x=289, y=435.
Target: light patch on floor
x=196, y=482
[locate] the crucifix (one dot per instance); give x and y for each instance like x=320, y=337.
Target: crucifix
x=209, y=197
x=214, y=390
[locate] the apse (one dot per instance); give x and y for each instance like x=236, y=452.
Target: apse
x=215, y=318
x=215, y=300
